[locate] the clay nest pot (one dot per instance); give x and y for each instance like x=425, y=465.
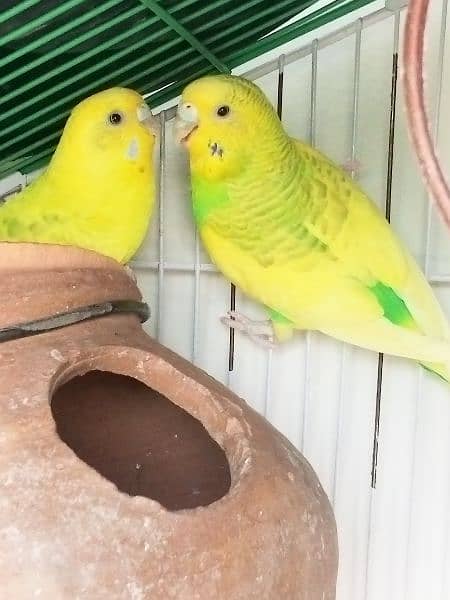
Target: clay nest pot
x=128, y=473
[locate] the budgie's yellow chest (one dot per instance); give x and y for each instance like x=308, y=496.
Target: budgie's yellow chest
x=122, y=228
x=255, y=233
x=121, y=223
x=240, y=267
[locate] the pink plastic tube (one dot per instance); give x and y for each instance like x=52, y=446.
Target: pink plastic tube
x=415, y=106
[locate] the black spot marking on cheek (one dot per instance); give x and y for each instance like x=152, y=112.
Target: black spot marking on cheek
x=216, y=150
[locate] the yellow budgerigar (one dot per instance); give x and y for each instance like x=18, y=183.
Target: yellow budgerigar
x=98, y=190
x=293, y=231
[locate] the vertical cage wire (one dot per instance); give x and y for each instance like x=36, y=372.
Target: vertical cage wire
x=307, y=348
x=161, y=194
x=313, y=97
x=343, y=360
x=392, y=123
x=388, y=202
x=280, y=92
x=268, y=382
x=231, y=343
x=194, y=349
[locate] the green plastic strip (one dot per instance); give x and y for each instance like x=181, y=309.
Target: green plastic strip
x=227, y=15
x=248, y=33
x=46, y=77
x=6, y=15
x=58, y=31
x=286, y=34
x=80, y=39
x=313, y=21
x=35, y=23
x=186, y=35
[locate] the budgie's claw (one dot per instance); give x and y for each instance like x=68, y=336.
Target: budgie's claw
x=131, y=273
x=352, y=167
x=261, y=332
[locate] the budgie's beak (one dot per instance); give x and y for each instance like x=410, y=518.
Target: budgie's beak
x=186, y=122
x=145, y=116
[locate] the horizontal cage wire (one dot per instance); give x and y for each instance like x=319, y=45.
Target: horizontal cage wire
x=379, y=448
x=180, y=267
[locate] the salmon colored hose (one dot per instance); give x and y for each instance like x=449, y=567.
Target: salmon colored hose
x=415, y=106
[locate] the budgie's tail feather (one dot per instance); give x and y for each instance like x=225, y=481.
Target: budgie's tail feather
x=442, y=370
x=383, y=336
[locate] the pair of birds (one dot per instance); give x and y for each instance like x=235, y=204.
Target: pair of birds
x=278, y=218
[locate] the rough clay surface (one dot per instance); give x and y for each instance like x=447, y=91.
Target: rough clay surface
x=66, y=533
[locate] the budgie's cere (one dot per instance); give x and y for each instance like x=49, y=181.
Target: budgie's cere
x=98, y=190
x=293, y=231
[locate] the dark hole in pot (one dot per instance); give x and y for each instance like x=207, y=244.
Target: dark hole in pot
x=139, y=440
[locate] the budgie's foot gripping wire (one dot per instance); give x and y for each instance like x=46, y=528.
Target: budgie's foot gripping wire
x=260, y=331
x=352, y=167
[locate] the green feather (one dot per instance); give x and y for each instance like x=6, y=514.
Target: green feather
x=278, y=317
x=397, y=312
x=394, y=308
x=206, y=197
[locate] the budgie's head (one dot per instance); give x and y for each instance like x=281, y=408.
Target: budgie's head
x=224, y=121
x=108, y=132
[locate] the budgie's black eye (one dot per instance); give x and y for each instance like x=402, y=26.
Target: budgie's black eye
x=222, y=111
x=115, y=118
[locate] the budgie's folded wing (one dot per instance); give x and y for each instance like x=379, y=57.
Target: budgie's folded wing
x=366, y=248
x=32, y=218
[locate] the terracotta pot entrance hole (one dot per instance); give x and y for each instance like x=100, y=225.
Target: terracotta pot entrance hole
x=138, y=439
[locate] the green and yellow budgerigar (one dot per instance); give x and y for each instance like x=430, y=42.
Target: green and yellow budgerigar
x=98, y=190
x=293, y=231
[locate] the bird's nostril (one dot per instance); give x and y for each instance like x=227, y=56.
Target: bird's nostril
x=188, y=105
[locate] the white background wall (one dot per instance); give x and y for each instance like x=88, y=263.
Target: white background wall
x=394, y=540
